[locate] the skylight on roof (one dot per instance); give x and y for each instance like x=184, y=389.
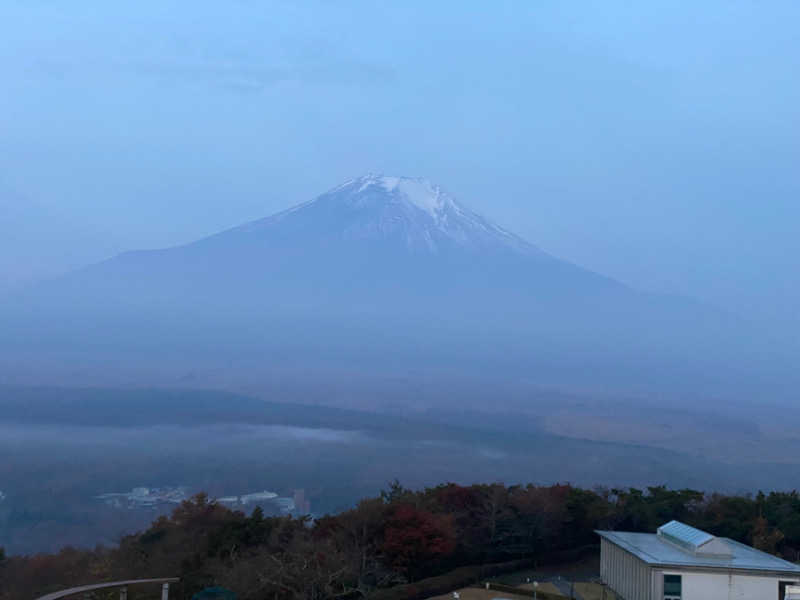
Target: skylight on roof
x=685, y=536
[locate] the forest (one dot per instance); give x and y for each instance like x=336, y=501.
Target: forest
x=404, y=544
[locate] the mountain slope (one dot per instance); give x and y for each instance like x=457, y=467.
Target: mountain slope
x=378, y=271
x=385, y=243
x=409, y=212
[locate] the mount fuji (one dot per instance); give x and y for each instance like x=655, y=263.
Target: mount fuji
x=377, y=267
x=382, y=244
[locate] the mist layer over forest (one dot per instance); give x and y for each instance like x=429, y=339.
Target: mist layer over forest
x=64, y=447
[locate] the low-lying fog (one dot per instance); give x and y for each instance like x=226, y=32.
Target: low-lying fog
x=52, y=469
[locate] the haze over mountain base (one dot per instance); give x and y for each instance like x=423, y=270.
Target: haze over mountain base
x=64, y=447
x=480, y=356
x=379, y=275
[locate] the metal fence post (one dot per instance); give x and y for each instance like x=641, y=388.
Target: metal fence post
x=165, y=592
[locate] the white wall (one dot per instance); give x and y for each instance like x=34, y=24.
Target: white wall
x=632, y=579
x=627, y=575
x=721, y=586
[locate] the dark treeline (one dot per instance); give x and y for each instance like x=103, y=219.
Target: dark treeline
x=402, y=536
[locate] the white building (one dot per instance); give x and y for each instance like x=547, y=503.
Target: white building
x=228, y=500
x=680, y=562
x=257, y=497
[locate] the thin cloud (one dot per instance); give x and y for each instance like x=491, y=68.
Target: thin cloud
x=236, y=76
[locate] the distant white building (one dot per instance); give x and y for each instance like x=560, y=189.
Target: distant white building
x=286, y=505
x=680, y=562
x=257, y=497
x=254, y=498
x=144, y=497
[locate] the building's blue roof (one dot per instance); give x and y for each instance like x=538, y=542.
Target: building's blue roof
x=653, y=550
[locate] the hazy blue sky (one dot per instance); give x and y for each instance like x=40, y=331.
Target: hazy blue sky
x=656, y=142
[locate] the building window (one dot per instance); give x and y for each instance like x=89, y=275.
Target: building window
x=782, y=585
x=672, y=587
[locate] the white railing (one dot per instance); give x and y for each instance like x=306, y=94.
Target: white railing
x=122, y=585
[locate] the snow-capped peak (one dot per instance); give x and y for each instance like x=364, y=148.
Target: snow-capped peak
x=419, y=191
x=424, y=211
x=410, y=209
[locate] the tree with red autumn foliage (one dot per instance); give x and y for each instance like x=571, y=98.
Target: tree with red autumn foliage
x=414, y=539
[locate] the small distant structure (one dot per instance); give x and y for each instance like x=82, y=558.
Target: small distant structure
x=285, y=505
x=257, y=497
x=228, y=500
x=680, y=562
x=245, y=499
x=144, y=497
x=301, y=505
x=297, y=505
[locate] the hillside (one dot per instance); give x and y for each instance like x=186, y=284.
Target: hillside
x=402, y=536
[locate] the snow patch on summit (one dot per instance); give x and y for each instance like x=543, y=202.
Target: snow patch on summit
x=410, y=209
x=442, y=217
x=424, y=195
x=420, y=192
